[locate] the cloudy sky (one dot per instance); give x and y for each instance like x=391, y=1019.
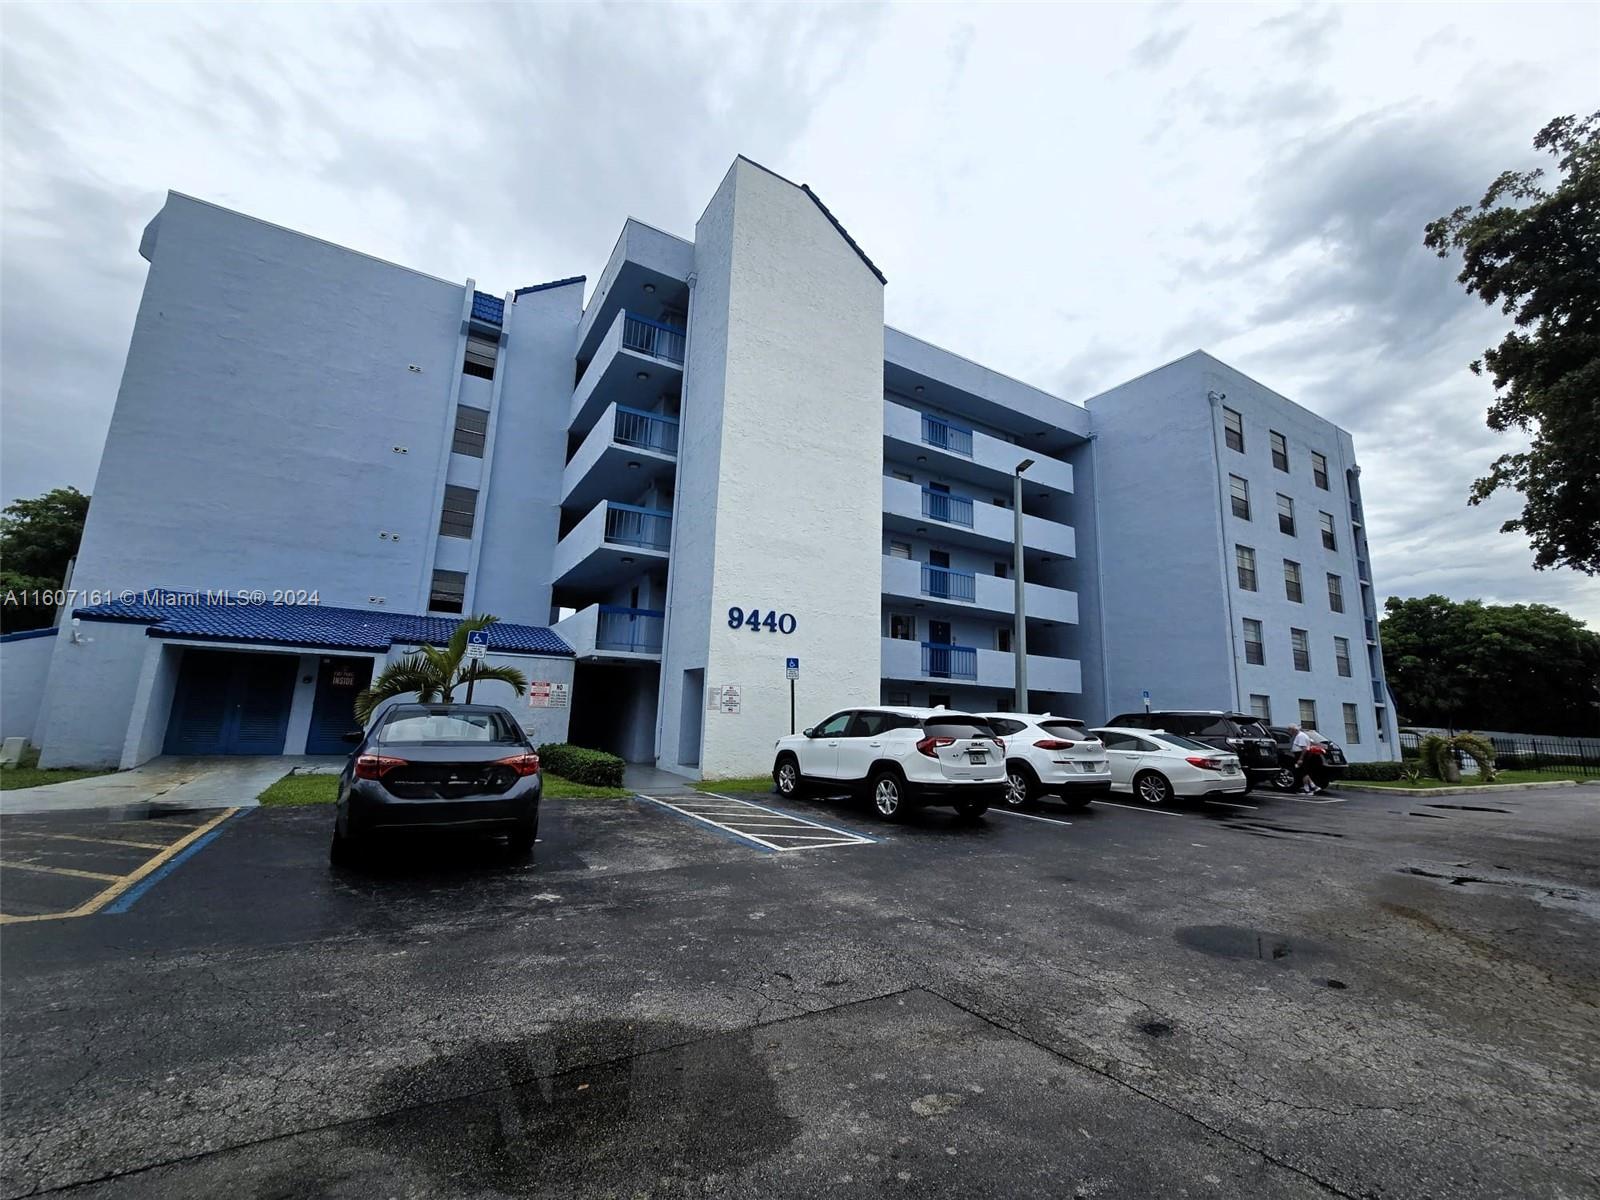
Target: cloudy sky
x=1069, y=194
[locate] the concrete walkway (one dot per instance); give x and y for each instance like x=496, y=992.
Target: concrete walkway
x=219, y=782
x=644, y=777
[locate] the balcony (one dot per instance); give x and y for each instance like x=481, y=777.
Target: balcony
x=626, y=451
x=910, y=508
x=612, y=544
x=632, y=347
x=610, y=632
x=953, y=449
x=929, y=662
x=1378, y=694
x=942, y=589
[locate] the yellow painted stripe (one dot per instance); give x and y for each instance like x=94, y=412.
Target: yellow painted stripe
x=78, y=837
x=16, y=866
x=123, y=883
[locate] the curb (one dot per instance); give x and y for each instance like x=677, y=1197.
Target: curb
x=1476, y=789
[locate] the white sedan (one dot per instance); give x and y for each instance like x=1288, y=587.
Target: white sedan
x=1156, y=766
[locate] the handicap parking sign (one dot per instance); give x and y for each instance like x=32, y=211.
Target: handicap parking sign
x=791, y=668
x=477, y=643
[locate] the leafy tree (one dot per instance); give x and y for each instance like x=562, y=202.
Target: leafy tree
x=435, y=672
x=1536, y=252
x=1526, y=668
x=37, y=539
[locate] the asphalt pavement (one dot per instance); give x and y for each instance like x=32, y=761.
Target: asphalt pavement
x=1378, y=997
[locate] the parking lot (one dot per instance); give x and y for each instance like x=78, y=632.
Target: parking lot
x=1353, y=995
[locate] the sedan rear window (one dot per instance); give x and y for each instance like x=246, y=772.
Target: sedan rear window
x=957, y=727
x=1067, y=731
x=490, y=728
x=1183, y=743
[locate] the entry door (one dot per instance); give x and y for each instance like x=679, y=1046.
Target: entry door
x=339, y=681
x=231, y=703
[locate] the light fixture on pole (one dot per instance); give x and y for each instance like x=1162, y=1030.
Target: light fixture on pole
x=1019, y=638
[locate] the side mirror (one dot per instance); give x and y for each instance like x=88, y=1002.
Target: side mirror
x=809, y=732
x=354, y=738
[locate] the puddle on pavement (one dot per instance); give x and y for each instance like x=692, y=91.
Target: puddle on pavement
x=1155, y=1028
x=1247, y=826
x=1234, y=941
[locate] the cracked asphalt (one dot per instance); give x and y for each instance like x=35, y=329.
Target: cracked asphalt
x=1383, y=997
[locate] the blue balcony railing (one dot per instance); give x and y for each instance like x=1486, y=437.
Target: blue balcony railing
x=630, y=525
x=944, y=506
x=636, y=630
x=946, y=584
x=936, y=431
x=652, y=337
x=646, y=430
x=940, y=661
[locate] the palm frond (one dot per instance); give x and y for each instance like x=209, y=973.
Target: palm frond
x=457, y=646
x=477, y=671
x=414, y=673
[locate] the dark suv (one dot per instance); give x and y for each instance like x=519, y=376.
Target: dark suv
x=1334, y=763
x=1237, y=733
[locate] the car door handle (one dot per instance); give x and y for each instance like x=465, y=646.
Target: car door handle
x=874, y=745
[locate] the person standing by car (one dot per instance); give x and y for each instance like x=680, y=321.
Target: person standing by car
x=1316, y=766
x=1300, y=747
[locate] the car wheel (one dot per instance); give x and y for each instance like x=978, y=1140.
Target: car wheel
x=969, y=810
x=523, y=838
x=1019, y=785
x=1152, y=787
x=1284, y=780
x=888, y=796
x=786, y=776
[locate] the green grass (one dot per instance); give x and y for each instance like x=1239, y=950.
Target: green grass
x=1469, y=780
x=753, y=783
x=26, y=774
x=293, y=791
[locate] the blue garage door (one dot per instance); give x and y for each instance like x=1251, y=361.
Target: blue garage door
x=230, y=703
x=339, y=680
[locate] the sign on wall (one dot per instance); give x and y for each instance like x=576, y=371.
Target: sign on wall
x=724, y=698
x=542, y=693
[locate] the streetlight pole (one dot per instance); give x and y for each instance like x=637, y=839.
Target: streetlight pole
x=1019, y=638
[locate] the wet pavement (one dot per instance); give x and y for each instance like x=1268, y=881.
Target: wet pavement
x=1293, y=999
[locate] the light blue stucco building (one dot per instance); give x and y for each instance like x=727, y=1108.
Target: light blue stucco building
x=719, y=461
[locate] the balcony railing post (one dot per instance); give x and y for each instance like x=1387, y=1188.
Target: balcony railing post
x=943, y=661
x=636, y=630
x=655, y=338
x=630, y=525
x=645, y=430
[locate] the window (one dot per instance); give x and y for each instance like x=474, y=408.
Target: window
x=1280, y=451
x=1233, y=430
x=472, y=426
x=1341, y=655
x=904, y=475
x=1329, y=542
x=1319, y=470
x=1335, y=594
x=460, y=506
x=834, y=726
x=1352, y=726
x=1377, y=721
x=899, y=549
x=1291, y=580
x=903, y=698
x=1245, y=559
x=1261, y=708
x=449, y=591
x=1285, y=515
x=1002, y=639
x=871, y=724
x=1002, y=570
x=1302, y=650
x=480, y=357
x=1308, y=714
x=1240, y=491
x=902, y=628
x=442, y=726
x=1254, y=651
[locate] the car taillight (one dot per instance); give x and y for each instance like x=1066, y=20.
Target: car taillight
x=522, y=764
x=1052, y=744
x=1001, y=742
x=376, y=766
x=930, y=745
x=1205, y=764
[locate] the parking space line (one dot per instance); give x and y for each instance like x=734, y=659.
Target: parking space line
x=759, y=825
x=1030, y=817
x=845, y=833
x=1162, y=812
x=78, y=837
x=1228, y=803
x=1308, y=800
x=76, y=874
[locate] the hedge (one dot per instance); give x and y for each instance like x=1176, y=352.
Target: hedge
x=582, y=765
x=1374, y=771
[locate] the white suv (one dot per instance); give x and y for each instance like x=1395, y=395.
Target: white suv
x=900, y=757
x=1050, y=754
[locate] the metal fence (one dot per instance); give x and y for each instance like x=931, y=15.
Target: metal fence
x=947, y=507
x=947, y=584
x=653, y=337
x=633, y=629
x=1526, y=752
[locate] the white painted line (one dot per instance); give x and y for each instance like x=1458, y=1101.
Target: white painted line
x=744, y=823
x=1308, y=800
x=845, y=833
x=1162, y=812
x=1229, y=803
x=1029, y=816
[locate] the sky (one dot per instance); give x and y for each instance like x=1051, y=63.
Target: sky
x=1069, y=194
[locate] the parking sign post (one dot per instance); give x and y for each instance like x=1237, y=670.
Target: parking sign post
x=477, y=647
x=791, y=668
x=1146, y=697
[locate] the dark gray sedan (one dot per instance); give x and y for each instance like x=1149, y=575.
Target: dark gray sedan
x=440, y=766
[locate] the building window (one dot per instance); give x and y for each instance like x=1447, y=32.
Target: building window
x=1280, y=451
x=1254, y=651
x=1308, y=714
x=460, y=506
x=902, y=475
x=1319, y=470
x=449, y=591
x=1302, y=650
x=903, y=698
x=1335, y=594
x=1291, y=580
x=1002, y=570
x=902, y=628
x=472, y=427
x=1329, y=542
x=1285, y=514
x=1377, y=720
x=1002, y=639
x=1261, y=708
x=899, y=549
x=1352, y=726
x=480, y=357
x=1341, y=655
x=1233, y=430
x=1245, y=559
x=1239, y=489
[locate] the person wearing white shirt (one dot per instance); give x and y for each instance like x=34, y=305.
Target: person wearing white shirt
x=1300, y=747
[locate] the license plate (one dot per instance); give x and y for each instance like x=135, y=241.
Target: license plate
x=1098, y=765
x=977, y=756
x=1229, y=769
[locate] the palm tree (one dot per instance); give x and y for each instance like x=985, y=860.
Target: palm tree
x=434, y=673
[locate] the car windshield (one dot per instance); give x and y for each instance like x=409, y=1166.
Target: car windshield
x=1067, y=731
x=490, y=728
x=1183, y=743
x=957, y=727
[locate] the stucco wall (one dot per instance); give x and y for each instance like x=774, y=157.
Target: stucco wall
x=540, y=724
x=89, y=701
x=24, y=670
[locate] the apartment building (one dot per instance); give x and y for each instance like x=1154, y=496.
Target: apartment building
x=718, y=485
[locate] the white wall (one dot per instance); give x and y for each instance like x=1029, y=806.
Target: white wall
x=90, y=699
x=24, y=669
x=540, y=724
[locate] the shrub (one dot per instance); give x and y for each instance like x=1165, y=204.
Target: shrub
x=582, y=765
x=1375, y=771
x=1436, y=751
